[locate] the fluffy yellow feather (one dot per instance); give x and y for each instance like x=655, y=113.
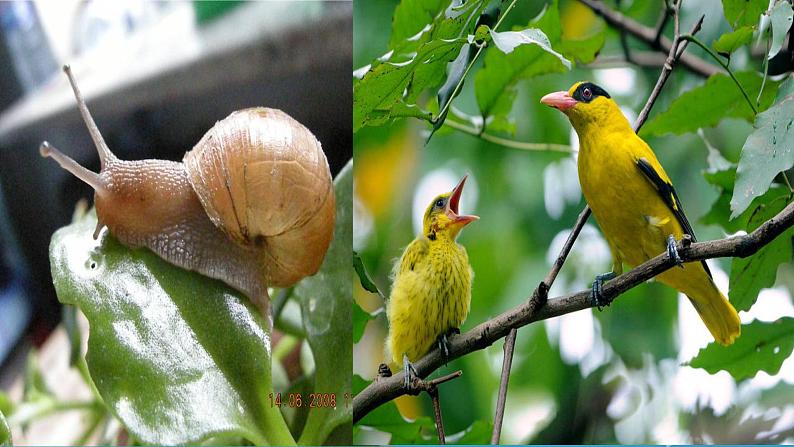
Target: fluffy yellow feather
x=431, y=290
x=634, y=202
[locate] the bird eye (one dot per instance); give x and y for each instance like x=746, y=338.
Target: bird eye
x=587, y=93
x=440, y=203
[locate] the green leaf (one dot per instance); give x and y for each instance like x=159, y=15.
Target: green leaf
x=495, y=82
x=761, y=347
x=383, y=86
x=363, y=277
x=178, y=357
x=69, y=319
x=412, y=17
x=751, y=274
x=767, y=152
x=360, y=320
x=743, y=12
x=327, y=302
x=507, y=41
x=5, y=432
x=781, y=18
x=707, y=105
x=730, y=42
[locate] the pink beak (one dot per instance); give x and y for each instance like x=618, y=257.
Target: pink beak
x=454, y=203
x=561, y=101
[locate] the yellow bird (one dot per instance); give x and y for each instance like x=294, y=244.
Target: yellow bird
x=634, y=202
x=431, y=290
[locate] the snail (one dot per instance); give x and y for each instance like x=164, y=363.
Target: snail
x=252, y=204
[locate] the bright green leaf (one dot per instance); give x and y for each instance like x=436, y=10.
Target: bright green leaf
x=507, y=41
x=781, y=18
x=767, y=152
x=383, y=86
x=751, y=274
x=327, y=303
x=743, y=12
x=707, y=105
x=761, y=347
x=412, y=17
x=5, y=432
x=176, y=356
x=363, y=277
x=730, y=42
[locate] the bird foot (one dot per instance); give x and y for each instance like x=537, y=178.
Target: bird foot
x=598, y=288
x=443, y=345
x=672, y=251
x=409, y=373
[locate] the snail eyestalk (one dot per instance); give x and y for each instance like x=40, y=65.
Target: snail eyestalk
x=92, y=178
x=102, y=148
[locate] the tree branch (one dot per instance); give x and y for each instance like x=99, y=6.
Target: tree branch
x=648, y=35
x=485, y=334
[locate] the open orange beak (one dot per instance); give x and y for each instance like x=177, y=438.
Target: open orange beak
x=561, y=101
x=454, y=203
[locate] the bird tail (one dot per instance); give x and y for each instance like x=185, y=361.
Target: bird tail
x=717, y=313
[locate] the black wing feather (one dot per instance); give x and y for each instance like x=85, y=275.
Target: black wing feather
x=670, y=198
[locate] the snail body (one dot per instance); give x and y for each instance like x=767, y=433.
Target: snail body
x=252, y=204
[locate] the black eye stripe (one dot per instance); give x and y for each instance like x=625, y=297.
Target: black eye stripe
x=587, y=91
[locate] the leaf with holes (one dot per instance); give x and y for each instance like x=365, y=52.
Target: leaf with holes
x=761, y=347
x=767, y=152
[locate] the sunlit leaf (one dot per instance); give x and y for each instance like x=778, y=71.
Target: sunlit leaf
x=412, y=17
x=507, y=41
x=708, y=104
x=743, y=12
x=327, y=303
x=761, y=347
x=751, y=274
x=732, y=41
x=781, y=19
x=767, y=151
x=176, y=356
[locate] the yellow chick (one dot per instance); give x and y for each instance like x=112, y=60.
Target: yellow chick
x=431, y=290
x=634, y=202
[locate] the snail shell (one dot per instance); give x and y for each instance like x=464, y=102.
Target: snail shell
x=252, y=205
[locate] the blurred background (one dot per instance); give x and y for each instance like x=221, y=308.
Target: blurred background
x=587, y=377
x=156, y=76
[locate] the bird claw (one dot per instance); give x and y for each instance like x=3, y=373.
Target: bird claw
x=443, y=345
x=596, y=294
x=409, y=373
x=672, y=251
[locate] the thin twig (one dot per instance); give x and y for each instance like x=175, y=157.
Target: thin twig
x=501, y=400
x=431, y=388
x=526, y=146
x=488, y=332
x=648, y=35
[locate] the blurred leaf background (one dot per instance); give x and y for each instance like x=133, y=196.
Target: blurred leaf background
x=588, y=377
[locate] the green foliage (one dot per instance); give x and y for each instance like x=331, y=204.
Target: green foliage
x=495, y=82
x=761, y=347
x=326, y=300
x=767, y=152
x=178, y=357
x=360, y=320
x=415, y=63
x=743, y=12
x=707, y=105
x=732, y=41
x=5, y=432
x=781, y=18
